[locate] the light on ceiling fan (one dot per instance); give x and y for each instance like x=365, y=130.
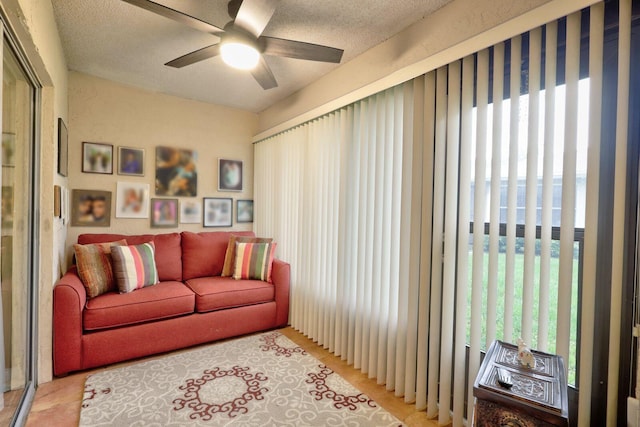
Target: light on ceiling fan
x=239, y=55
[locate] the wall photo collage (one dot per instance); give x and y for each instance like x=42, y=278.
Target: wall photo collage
x=175, y=188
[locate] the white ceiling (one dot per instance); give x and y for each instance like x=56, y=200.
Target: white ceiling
x=124, y=43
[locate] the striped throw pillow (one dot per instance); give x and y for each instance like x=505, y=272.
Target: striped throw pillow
x=230, y=255
x=134, y=267
x=95, y=269
x=253, y=261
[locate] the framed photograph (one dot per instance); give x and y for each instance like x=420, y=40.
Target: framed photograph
x=176, y=172
x=244, y=211
x=229, y=175
x=63, y=148
x=190, y=211
x=8, y=149
x=132, y=200
x=90, y=208
x=97, y=158
x=217, y=212
x=7, y=207
x=164, y=212
x=130, y=161
x=57, y=210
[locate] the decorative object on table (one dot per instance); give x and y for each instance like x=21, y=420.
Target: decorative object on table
x=537, y=396
x=65, y=205
x=229, y=175
x=63, y=148
x=132, y=200
x=56, y=201
x=525, y=356
x=164, y=212
x=8, y=149
x=260, y=379
x=244, y=211
x=90, y=208
x=176, y=173
x=97, y=158
x=190, y=211
x=130, y=161
x=217, y=212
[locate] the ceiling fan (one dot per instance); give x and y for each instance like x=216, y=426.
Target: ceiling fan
x=242, y=44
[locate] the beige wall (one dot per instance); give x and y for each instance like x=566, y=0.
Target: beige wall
x=108, y=112
x=34, y=25
x=452, y=32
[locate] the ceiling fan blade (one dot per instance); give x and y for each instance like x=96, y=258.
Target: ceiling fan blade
x=195, y=56
x=300, y=50
x=254, y=15
x=175, y=15
x=262, y=73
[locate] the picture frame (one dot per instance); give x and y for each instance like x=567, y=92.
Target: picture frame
x=230, y=175
x=131, y=161
x=164, y=213
x=176, y=173
x=90, y=208
x=132, y=200
x=8, y=149
x=63, y=148
x=97, y=158
x=57, y=210
x=218, y=212
x=7, y=207
x=244, y=211
x=190, y=211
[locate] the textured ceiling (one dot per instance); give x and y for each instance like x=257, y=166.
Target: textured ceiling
x=124, y=43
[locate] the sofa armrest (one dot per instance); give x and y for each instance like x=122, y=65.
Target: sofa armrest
x=69, y=298
x=280, y=276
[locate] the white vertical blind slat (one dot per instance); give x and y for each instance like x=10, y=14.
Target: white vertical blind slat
x=437, y=234
x=426, y=248
x=450, y=239
x=395, y=241
x=590, y=254
x=405, y=254
x=512, y=185
x=531, y=206
x=619, y=208
x=567, y=222
x=551, y=49
x=415, y=110
x=462, y=279
x=482, y=97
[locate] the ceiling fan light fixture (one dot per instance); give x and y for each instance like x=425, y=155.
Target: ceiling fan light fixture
x=239, y=55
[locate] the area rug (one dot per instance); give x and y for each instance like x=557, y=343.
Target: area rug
x=259, y=380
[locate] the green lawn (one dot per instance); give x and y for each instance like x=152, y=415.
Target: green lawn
x=517, y=306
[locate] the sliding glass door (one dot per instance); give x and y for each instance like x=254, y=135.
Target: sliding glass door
x=17, y=268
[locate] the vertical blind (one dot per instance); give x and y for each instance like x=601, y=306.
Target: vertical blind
x=427, y=220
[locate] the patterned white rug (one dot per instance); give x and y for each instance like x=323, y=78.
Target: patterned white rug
x=260, y=380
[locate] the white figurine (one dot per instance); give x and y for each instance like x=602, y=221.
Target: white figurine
x=525, y=356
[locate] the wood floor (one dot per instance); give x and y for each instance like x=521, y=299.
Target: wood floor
x=57, y=403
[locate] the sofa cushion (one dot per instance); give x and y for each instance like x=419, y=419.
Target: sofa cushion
x=253, y=261
x=95, y=267
x=134, y=266
x=168, y=250
x=203, y=253
x=230, y=255
x=217, y=293
x=164, y=300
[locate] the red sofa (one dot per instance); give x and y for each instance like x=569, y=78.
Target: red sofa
x=191, y=305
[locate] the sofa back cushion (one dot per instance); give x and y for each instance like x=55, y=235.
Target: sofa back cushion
x=203, y=253
x=168, y=250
